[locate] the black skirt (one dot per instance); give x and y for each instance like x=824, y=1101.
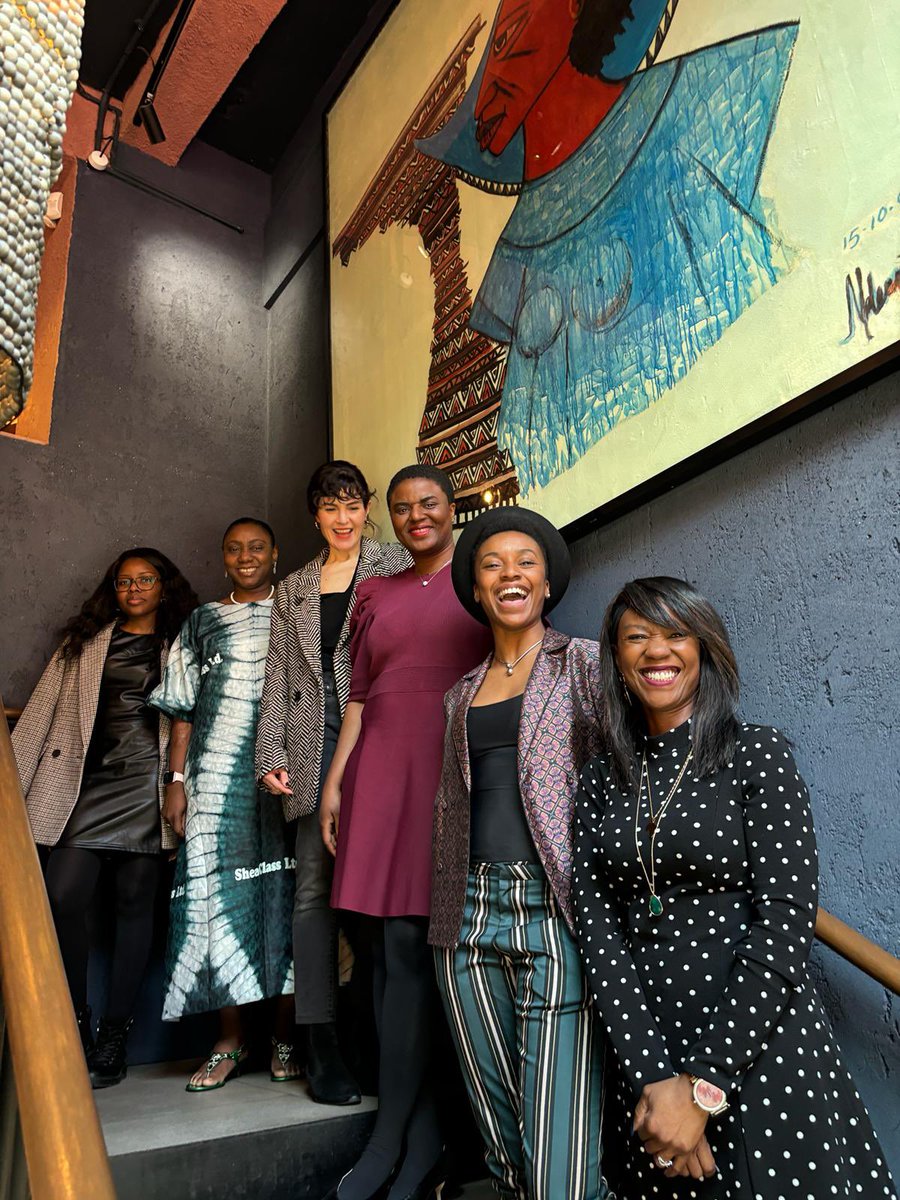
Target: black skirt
x=118, y=805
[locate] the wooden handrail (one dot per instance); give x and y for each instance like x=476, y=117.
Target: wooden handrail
x=883, y=967
x=64, y=1146
x=61, y=1133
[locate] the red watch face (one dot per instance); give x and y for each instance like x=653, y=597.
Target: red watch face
x=708, y=1095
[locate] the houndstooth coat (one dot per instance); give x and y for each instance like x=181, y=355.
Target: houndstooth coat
x=51, y=738
x=291, y=729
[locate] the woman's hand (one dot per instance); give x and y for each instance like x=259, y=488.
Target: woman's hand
x=277, y=782
x=699, y=1164
x=174, y=809
x=667, y=1120
x=329, y=814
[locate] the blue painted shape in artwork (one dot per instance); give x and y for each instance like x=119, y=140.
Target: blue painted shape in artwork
x=619, y=269
x=633, y=40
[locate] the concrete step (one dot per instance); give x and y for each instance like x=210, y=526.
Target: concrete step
x=251, y=1138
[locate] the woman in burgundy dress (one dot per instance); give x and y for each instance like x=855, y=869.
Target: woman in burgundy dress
x=412, y=640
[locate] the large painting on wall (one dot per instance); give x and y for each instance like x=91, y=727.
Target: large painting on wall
x=575, y=243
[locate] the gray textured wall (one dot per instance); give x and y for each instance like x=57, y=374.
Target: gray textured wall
x=298, y=406
x=796, y=544
x=159, y=414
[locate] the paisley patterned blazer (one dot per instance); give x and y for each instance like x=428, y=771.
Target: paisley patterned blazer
x=558, y=733
x=51, y=738
x=291, y=729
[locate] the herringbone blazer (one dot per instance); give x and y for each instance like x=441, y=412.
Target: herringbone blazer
x=291, y=729
x=51, y=738
x=558, y=733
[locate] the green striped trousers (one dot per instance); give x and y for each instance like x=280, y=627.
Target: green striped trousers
x=523, y=1026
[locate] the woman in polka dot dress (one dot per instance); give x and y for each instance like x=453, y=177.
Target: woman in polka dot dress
x=695, y=888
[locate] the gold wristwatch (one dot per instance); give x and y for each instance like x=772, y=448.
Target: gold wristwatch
x=707, y=1096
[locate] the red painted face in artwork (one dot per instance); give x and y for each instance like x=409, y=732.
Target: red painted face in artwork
x=530, y=43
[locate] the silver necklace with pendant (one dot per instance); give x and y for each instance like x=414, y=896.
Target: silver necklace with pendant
x=426, y=579
x=510, y=666
x=655, y=904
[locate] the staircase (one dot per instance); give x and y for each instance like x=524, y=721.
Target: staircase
x=250, y=1138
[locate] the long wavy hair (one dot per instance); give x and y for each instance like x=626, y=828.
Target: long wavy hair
x=673, y=604
x=178, y=600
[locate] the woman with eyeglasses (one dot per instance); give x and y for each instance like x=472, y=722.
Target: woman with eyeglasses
x=230, y=914
x=89, y=751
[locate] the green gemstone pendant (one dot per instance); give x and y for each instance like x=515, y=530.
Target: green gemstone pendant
x=655, y=906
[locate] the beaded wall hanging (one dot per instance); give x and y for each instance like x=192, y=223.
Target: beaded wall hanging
x=40, y=49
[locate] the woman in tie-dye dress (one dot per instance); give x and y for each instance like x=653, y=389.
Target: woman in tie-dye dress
x=230, y=920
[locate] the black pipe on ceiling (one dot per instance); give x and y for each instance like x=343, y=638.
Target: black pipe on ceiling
x=139, y=26
x=105, y=163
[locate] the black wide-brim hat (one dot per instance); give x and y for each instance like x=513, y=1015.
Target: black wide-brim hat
x=510, y=518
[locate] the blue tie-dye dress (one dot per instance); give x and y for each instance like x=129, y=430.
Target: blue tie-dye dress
x=230, y=918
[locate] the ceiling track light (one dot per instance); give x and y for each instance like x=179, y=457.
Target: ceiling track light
x=145, y=114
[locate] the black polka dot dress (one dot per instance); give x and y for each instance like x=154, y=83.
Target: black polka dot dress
x=716, y=984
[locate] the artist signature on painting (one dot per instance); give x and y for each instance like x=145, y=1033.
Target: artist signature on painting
x=866, y=299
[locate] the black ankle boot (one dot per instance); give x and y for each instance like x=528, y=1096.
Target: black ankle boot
x=330, y=1082
x=107, y=1063
x=83, y=1017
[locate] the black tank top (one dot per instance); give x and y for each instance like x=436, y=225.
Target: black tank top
x=499, y=829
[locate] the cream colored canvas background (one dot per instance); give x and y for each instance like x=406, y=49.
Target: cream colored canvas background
x=833, y=161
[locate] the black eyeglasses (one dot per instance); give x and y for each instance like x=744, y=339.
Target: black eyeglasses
x=143, y=583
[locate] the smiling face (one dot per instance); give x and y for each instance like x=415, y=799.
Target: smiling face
x=661, y=668
x=341, y=520
x=422, y=516
x=511, y=580
x=530, y=43
x=249, y=557
x=137, y=599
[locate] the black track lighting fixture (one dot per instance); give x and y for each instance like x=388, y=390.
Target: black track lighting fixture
x=150, y=121
x=146, y=114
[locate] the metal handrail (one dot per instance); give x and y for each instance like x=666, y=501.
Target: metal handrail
x=64, y=1148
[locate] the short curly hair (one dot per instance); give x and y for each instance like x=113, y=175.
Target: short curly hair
x=336, y=480
x=422, y=471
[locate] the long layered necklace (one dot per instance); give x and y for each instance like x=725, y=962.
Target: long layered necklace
x=656, y=816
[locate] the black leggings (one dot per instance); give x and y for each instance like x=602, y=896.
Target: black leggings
x=406, y=1009
x=71, y=877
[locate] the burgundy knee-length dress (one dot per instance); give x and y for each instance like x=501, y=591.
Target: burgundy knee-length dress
x=410, y=645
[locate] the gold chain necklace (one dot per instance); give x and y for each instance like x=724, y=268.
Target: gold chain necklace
x=656, y=905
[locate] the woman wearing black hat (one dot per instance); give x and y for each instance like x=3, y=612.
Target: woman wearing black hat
x=519, y=729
